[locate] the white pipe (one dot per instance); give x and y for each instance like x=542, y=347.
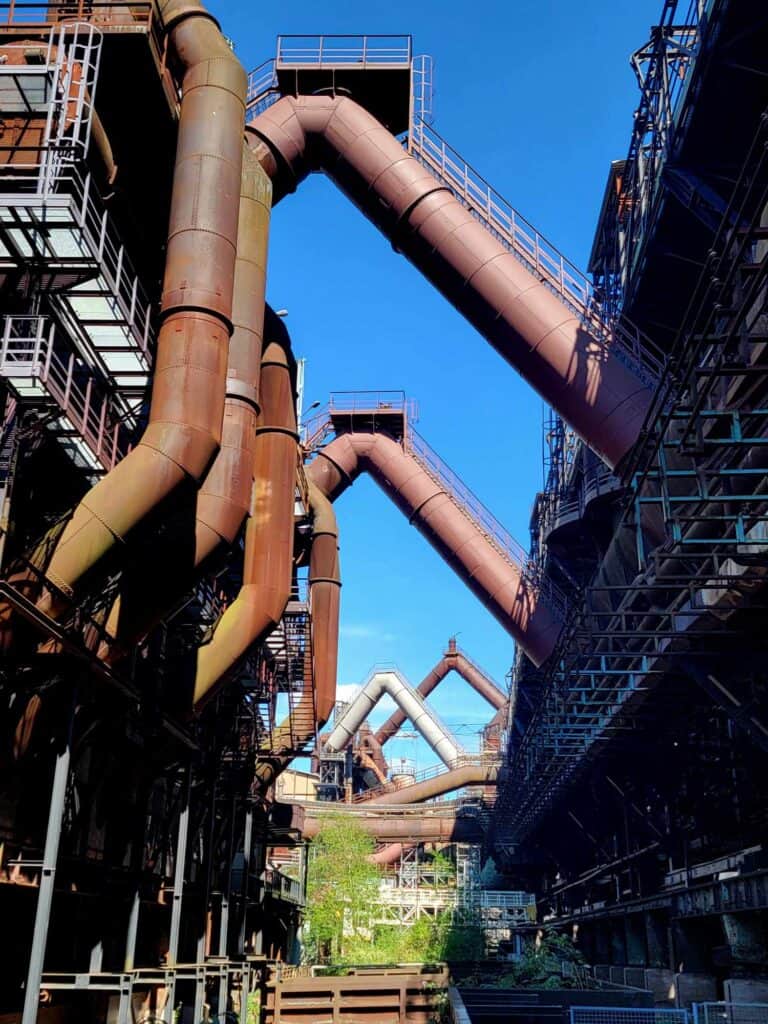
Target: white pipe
x=410, y=702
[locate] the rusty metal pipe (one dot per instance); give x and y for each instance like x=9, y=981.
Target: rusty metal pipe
x=499, y=584
x=103, y=147
x=389, y=854
x=185, y=420
x=366, y=761
x=325, y=602
x=580, y=377
x=224, y=500
x=319, y=692
x=370, y=744
x=453, y=660
x=268, y=561
x=409, y=829
x=445, y=782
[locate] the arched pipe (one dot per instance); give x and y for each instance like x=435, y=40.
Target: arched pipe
x=453, y=660
x=499, y=583
x=579, y=376
x=190, y=371
x=404, y=695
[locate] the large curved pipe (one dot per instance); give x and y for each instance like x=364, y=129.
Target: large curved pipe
x=319, y=690
x=268, y=562
x=453, y=660
x=185, y=419
x=405, y=696
x=388, y=854
x=409, y=829
x=499, y=583
x=581, y=378
x=224, y=500
x=445, y=782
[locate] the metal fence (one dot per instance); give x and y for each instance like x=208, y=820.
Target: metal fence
x=730, y=1013
x=626, y=1015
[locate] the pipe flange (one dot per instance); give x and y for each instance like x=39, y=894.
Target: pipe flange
x=277, y=430
x=243, y=391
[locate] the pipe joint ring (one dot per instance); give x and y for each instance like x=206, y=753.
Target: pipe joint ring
x=402, y=220
x=339, y=469
x=324, y=579
x=247, y=393
x=184, y=11
x=277, y=430
x=415, y=514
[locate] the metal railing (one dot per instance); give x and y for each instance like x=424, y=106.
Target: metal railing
x=347, y=50
x=263, y=88
x=278, y=884
x=117, y=12
x=79, y=236
x=29, y=360
x=372, y=401
x=626, y=1015
x=471, y=505
x=730, y=1013
x=497, y=535
x=466, y=760
x=317, y=430
x=538, y=254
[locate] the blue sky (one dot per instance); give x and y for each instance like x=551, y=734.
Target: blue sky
x=538, y=95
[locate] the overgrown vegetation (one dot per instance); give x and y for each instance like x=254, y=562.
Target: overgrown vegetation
x=342, y=890
x=539, y=967
x=342, y=886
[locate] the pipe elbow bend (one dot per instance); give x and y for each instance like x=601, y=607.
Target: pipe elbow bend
x=191, y=449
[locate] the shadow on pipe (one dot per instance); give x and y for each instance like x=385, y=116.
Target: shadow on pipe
x=188, y=391
x=578, y=375
x=500, y=584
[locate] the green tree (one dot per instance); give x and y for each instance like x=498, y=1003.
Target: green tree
x=342, y=887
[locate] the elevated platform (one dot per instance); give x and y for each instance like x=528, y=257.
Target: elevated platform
x=376, y=71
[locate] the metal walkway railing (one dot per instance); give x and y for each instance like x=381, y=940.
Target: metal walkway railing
x=482, y=519
x=539, y=255
x=433, y=772
x=321, y=428
x=34, y=366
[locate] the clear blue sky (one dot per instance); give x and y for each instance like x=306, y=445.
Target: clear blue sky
x=538, y=95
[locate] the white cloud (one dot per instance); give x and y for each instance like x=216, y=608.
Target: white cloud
x=365, y=631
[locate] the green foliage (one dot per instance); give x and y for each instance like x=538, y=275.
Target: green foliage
x=342, y=889
x=254, y=1008
x=443, y=863
x=539, y=966
x=342, y=885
